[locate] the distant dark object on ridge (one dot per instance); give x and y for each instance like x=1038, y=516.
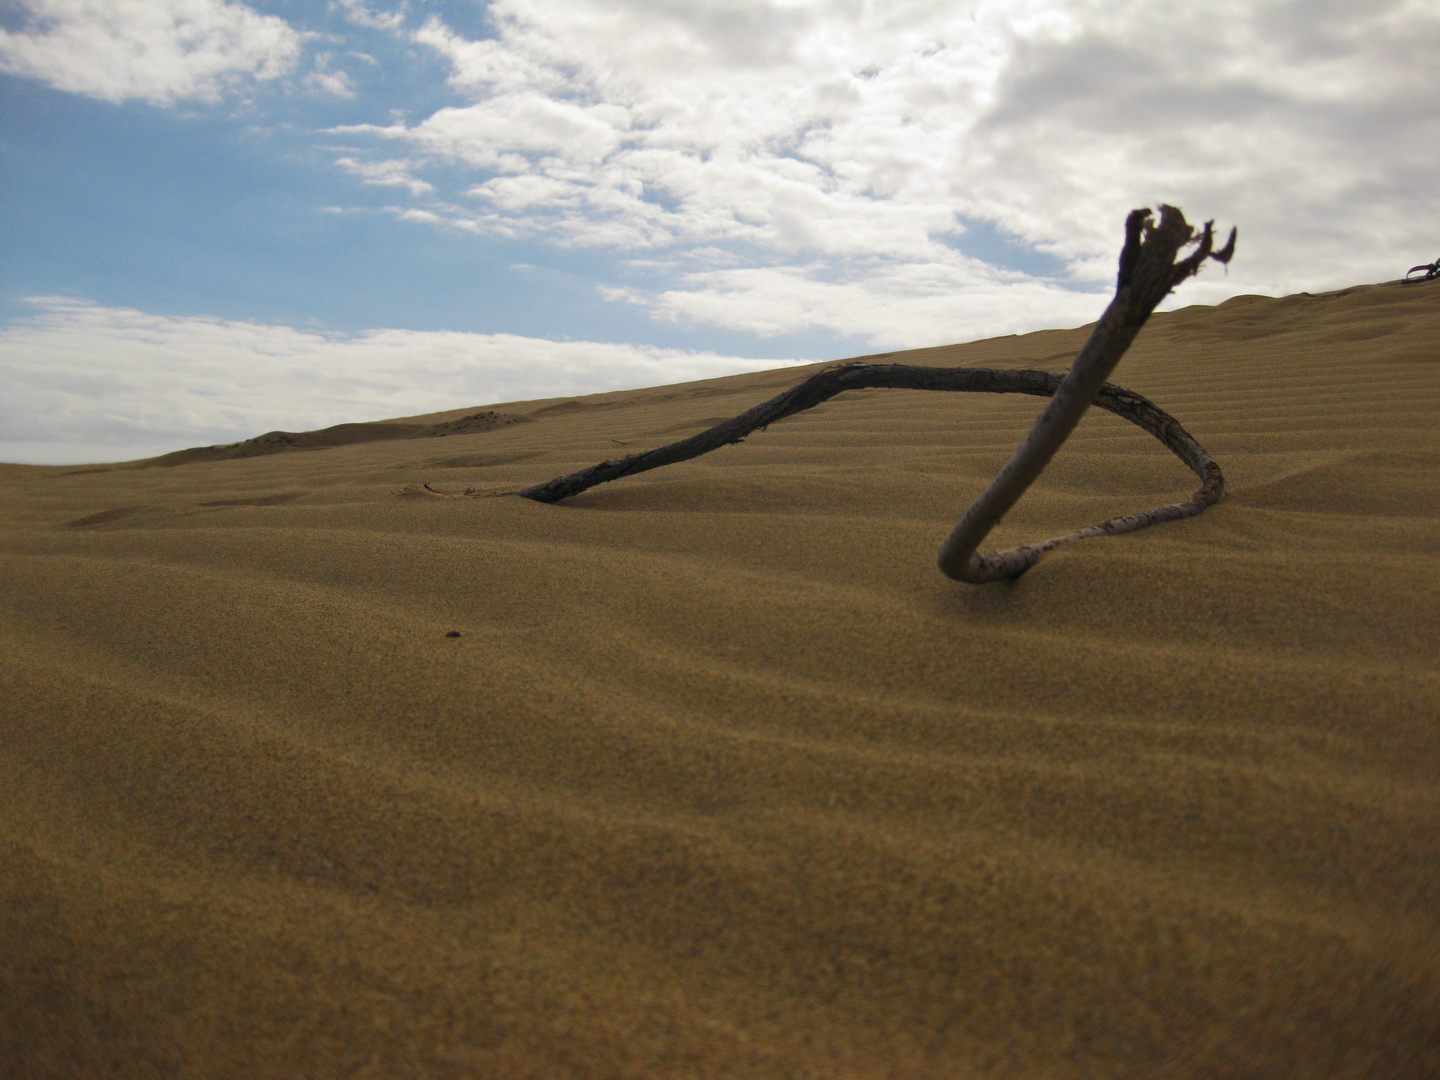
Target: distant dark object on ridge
x=1432, y=270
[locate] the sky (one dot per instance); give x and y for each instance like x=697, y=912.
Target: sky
x=222, y=218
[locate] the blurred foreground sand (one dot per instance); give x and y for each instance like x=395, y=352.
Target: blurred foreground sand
x=721, y=776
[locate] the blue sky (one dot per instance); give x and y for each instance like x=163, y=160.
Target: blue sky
x=220, y=218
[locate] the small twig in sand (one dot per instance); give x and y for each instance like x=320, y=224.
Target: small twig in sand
x=429, y=489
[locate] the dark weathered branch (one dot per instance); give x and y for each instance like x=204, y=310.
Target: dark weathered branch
x=819, y=387
x=1148, y=271
x=857, y=376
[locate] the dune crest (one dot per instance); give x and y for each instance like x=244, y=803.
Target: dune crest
x=280, y=442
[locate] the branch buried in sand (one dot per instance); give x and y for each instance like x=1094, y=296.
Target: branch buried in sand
x=1148, y=272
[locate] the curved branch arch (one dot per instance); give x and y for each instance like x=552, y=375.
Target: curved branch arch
x=1149, y=270
x=826, y=384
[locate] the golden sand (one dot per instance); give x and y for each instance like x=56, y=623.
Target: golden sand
x=722, y=778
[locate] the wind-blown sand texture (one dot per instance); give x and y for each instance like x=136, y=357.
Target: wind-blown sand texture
x=721, y=776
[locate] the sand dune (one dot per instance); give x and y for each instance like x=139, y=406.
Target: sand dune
x=280, y=442
x=721, y=777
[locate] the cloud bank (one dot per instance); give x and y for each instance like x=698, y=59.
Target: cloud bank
x=821, y=158
x=83, y=383
x=160, y=51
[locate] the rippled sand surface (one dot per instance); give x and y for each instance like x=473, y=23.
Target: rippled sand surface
x=721, y=777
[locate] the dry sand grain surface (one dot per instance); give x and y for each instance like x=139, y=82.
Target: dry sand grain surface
x=721, y=777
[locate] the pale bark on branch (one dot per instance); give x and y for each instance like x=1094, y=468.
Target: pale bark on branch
x=1148, y=271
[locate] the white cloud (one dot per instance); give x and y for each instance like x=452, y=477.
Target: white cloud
x=329, y=81
x=808, y=132
x=161, y=51
x=391, y=173
x=890, y=304
x=80, y=382
x=360, y=15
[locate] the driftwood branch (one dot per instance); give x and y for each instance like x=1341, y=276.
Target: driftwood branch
x=836, y=380
x=1148, y=271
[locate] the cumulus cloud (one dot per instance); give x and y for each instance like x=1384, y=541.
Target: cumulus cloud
x=387, y=174
x=890, y=304
x=81, y=382
x=791, y=133
x=328, y=79
x=360, y=15
x=161, y=51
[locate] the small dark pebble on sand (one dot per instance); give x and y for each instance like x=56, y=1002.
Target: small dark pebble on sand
x=453, y=633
